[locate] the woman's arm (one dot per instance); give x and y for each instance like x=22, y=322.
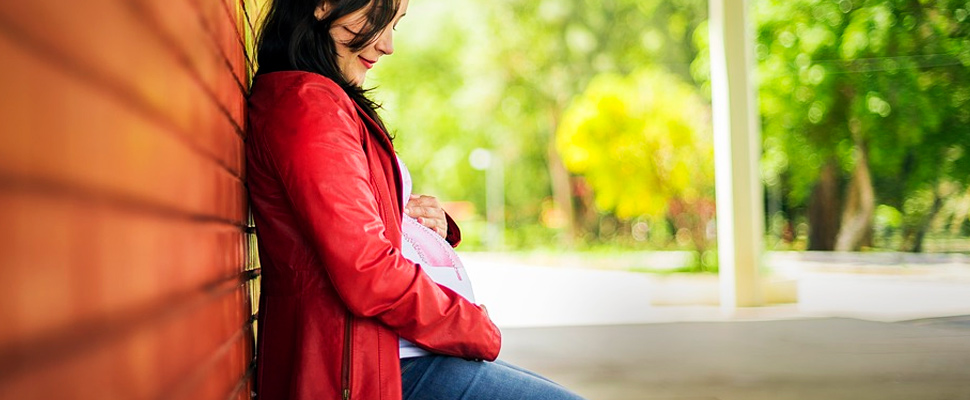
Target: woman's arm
x=317, y=151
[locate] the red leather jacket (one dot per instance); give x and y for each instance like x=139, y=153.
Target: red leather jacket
x=336, y=293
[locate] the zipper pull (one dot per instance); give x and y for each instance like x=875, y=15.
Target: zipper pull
x=346, y=394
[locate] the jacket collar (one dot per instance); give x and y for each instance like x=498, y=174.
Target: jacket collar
x=389, y=162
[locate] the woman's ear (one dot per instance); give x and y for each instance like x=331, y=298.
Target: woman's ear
x=321, y=11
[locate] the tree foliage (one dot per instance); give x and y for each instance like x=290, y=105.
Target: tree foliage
x=879, y=88
x=865, y=107
x=498, y=75
x=642, y=142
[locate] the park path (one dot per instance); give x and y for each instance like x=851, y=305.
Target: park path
x=854, y=335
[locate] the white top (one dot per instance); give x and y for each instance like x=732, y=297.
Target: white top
x=433, y=254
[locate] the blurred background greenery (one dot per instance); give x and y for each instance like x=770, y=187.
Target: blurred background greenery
x=599, y=115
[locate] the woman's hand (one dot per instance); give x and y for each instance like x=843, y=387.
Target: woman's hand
x=427, y=210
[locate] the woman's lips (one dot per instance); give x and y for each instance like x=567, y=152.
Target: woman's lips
x=367, y=63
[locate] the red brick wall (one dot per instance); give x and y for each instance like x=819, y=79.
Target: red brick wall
x=123, y=245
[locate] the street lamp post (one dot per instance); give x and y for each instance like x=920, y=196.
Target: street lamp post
x=484, y=160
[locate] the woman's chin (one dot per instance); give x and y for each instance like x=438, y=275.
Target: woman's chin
x=356, y=80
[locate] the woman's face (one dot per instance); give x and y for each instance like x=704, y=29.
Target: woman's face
x=355, y=64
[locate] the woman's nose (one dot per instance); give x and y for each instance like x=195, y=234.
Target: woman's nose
x=385, y=43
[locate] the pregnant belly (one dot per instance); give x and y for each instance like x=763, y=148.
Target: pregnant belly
x=436, y=257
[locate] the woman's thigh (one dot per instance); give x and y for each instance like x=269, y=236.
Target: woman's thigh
x=450, y=378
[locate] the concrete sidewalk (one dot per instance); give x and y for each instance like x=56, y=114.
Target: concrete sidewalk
x=521, y=295
x=825, y=359
x=601, y=334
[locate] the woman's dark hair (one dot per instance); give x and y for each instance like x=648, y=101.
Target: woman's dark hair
x=293, y=39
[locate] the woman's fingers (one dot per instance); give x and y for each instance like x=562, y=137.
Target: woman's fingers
x=435, y=224
x=427, y=210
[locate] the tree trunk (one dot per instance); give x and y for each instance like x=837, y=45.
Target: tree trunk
x=860, y=204
x=962, y=214
x=823, y=209
x=562, y=192
x=913, y=239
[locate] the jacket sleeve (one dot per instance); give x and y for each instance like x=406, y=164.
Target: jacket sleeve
x=454, y=233
x=319, y=157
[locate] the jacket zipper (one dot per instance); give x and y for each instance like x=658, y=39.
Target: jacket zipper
x=345, y=374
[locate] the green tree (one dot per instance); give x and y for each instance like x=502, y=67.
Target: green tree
x=498, y=75
x=869, y=98
x=549, y=50
x=643, y=143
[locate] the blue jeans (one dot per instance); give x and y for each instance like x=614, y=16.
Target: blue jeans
x=438, y=377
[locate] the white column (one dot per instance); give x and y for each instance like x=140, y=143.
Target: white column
x=737, y=153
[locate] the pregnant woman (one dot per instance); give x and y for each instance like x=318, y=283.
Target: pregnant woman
x=360, y=299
